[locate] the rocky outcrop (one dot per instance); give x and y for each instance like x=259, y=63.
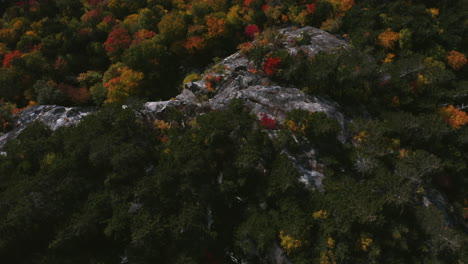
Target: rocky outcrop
x=261, y=95
x=320, y=41
x=258, y=92
x=51, y=115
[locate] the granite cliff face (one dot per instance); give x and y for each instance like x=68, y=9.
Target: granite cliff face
x=257, y=91
x=51, y=115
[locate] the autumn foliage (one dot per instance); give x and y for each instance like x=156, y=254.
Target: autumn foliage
x=311, y=8
x=453, y=116
x=211, y=82
x=456, y=60
x=248, y=2
x=118, y=40
x=241, y=184
x=124, y=86
x=267, y=122
x=141, y=36
x=195, y=43
x=342, y=5
x=10, y=57
x=92, y=15
x=388, y=38
x=216, y=27
x=251, y=31
x=288, y=242
x=270, y=65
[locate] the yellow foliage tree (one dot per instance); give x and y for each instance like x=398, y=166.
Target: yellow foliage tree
x=172, y=26
x=365, y=242
x=233, y=17
x=330, y=242
x=124, y=86
x=320, y=215
x=389, y=58
x=331, y=24
x=190, y=78
x=327, y=257
x=7, y=34
x=298, y=16
x=274, y=14
x=288, y=242
x=433, y=11
x=131, y=23
x=388, y=38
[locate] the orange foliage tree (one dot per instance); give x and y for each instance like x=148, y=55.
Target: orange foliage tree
x=388, y=38
x=453, y=116
x=194, y=43
x=456, y=60
x=7, y=35
x=216, y=27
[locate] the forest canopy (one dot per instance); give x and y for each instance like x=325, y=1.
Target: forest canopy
x=224, y=186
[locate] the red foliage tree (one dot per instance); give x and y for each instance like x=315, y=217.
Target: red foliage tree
x=311, y=8
x=270, y=65
x=251, y=31
x=92, y=15
x=10, y=57
x=108, y=19
x=117, y=40
x=267, y=122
